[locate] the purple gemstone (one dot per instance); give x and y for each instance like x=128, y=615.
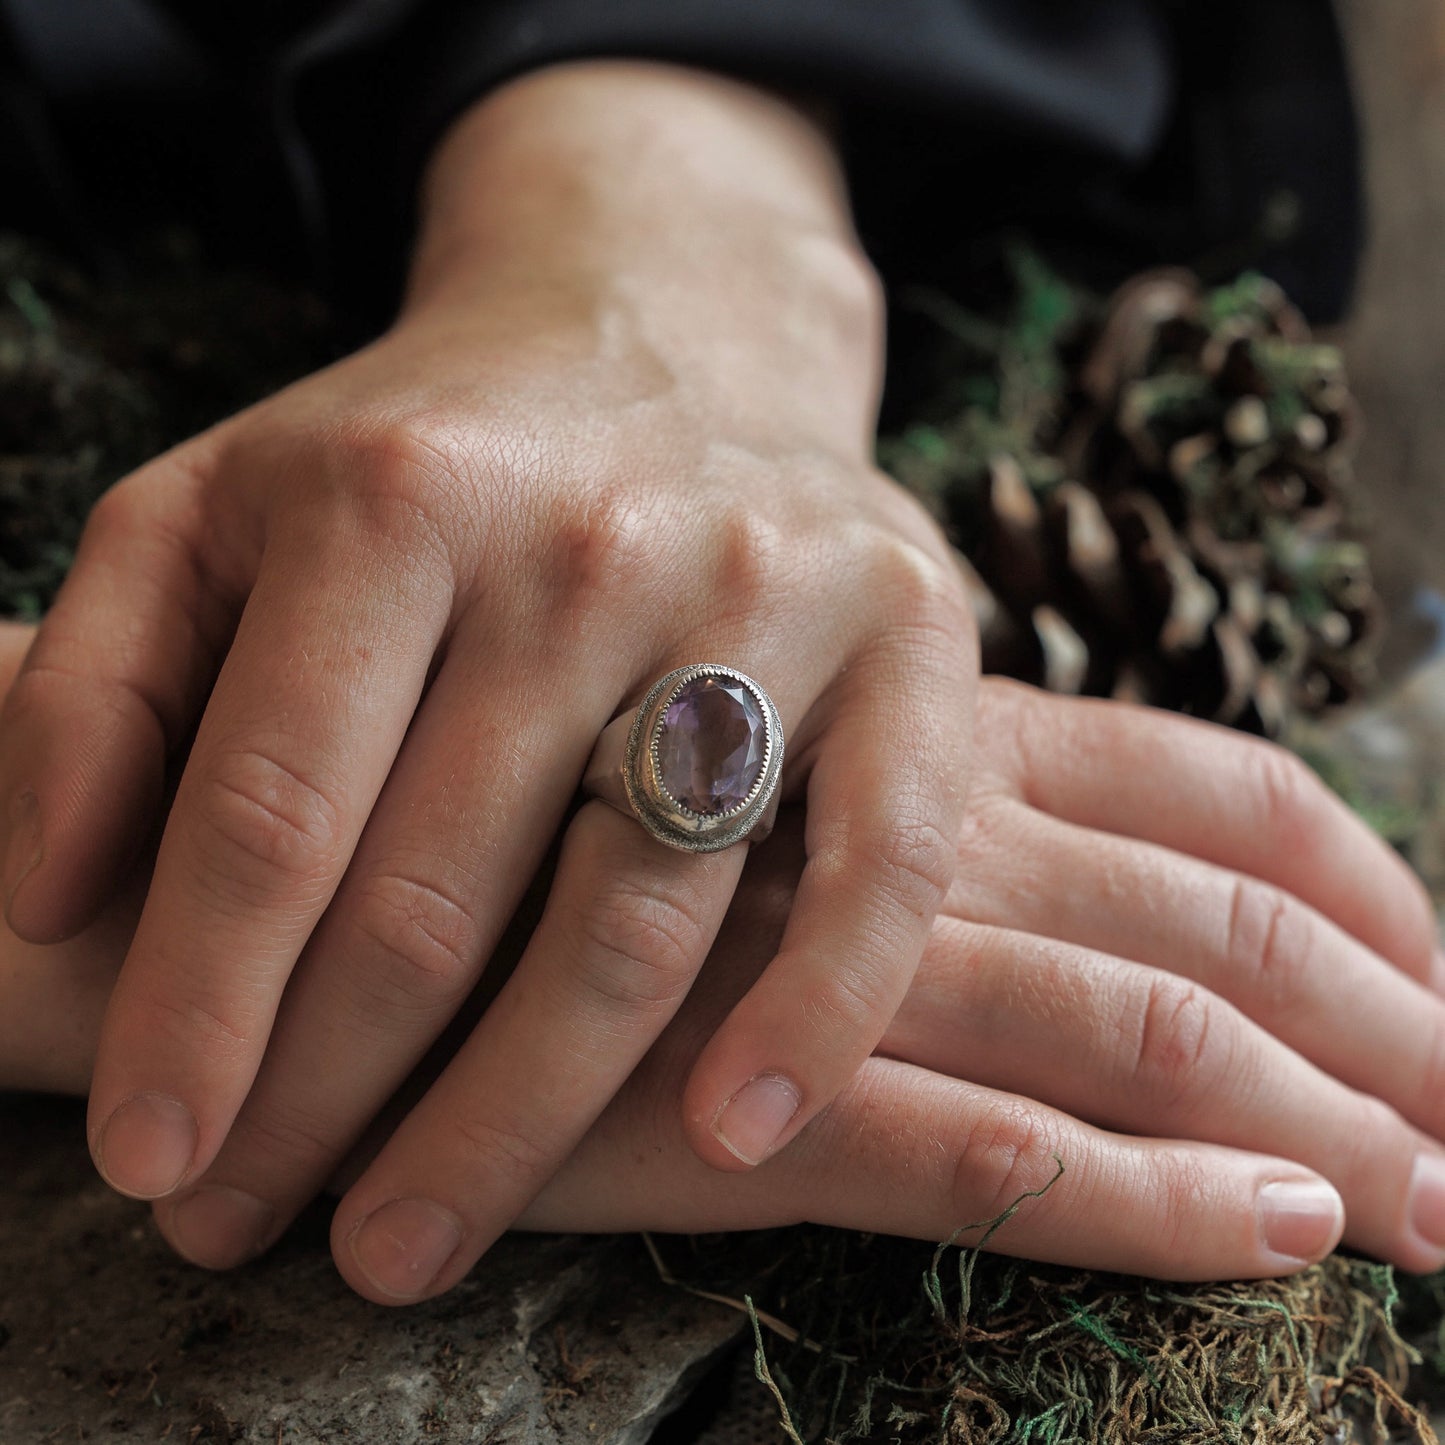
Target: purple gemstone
x=710, y=745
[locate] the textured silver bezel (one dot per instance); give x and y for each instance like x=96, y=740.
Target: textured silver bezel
x=656, y=809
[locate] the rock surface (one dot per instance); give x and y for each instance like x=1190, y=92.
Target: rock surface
x=104, y=1335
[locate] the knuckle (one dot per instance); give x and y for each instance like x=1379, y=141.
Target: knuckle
x=404, y=457
x=989, y=832
x=425, y=943
x=1289, y=794
x=601, y=545
x=1177, y=1044
x=493, y=1149
x=1178, y=1180
x=924, y=592
x=1005, y=1154
x=637, y=949
x=1013, y=702
x=1418, y=926
x=1379, y=1143
x=1298, y=811
x=859, y=1000
x=1432, y=1069
x=1268, y=937
x=752, y=554
x=42, y=687
x=188, y=1024
x=1381, y=1122
x=118, y=513
x=404, y=480
x=916, y=862
x=283, y=1133
x=850, y=287
x=263, y=824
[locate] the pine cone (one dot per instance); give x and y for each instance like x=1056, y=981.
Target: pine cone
x=1164, y=513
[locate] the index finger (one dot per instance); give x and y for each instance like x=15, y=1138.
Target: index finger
x=308, y=713
x=116, y=677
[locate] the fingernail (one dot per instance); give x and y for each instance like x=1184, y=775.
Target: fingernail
x=220, y=1227
x=146, y=1146
x=23, y=851
x=402, y=1247
x=752, y=1121
x=1426, y=1205
x=1300, y=1219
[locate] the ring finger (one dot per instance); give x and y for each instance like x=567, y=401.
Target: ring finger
x=628, y=923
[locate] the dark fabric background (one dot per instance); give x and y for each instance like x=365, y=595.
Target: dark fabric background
x=293, y=131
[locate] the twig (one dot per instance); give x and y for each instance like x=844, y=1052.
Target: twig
x=743, y=1306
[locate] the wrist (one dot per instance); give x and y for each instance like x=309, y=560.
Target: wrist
x=612, y=164
x=708, y=217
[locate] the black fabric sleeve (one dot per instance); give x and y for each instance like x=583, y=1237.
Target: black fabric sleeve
x=1094, y=75
x=1052, y=75
x=1120, y=132
x=1125, y=132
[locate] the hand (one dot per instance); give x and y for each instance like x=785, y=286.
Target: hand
x=1160, y=928
x=622, y=424
x=1014, y=1048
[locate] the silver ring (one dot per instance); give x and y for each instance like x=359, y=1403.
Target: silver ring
x=698, y=763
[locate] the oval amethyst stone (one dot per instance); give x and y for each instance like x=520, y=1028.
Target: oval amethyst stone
x=710, y=745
